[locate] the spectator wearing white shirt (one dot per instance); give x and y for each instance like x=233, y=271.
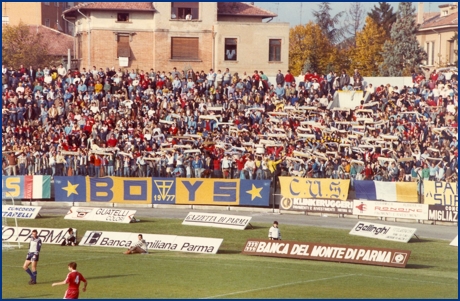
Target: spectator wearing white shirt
x=274, y=233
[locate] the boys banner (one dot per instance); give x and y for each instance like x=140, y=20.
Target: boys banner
x=222, y=192
x=313, y=188
x=440, y=193
x=387, y=191
x=26, y=187
x=162, y=191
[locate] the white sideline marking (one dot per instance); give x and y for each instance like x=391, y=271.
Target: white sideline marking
x=276, y=286
x=413, y=280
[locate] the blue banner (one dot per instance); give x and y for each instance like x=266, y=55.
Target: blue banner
x=254, y=193
x=70, y=189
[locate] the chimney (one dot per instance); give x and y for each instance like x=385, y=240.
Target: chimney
x=420, y=18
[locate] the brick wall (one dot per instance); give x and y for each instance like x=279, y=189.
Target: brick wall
x=104, y=50
x=162, y=57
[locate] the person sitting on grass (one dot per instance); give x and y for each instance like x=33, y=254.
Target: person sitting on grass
x=139, y=248
x=69, y=239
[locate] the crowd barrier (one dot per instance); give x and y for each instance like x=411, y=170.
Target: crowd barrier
x=377, y=199
x=219, y=191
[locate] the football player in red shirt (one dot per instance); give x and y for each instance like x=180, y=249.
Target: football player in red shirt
x=73, y=279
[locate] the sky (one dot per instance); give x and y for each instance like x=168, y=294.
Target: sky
x=295, y=14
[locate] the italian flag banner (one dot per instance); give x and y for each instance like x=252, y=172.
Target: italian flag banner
x=37, y=187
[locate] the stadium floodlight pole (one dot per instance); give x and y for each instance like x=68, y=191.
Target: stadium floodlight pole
x=15, y=218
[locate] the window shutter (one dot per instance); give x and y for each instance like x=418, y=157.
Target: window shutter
x=123, y=49
x=184, y=48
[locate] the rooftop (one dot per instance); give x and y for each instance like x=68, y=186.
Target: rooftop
x=58, y=42
x=127, y=6
x=242, y=9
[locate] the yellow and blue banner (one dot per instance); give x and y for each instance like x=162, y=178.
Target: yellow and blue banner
x=26, y=187
x=313, y=188
x=405, y=192
x=107, y=189
x=225, y=192
x=440, y=193
x=163, y=191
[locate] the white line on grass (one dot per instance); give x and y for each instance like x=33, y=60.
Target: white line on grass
x=276, y=286
x=413, y=280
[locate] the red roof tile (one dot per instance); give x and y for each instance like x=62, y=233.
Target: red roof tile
x=438, y=20
x=57, y=42
x=132, y=6
x=242, y=9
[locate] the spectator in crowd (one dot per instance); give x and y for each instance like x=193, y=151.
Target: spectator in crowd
x=158, y=123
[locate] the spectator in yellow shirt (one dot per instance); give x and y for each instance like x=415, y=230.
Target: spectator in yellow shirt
x=98, y=87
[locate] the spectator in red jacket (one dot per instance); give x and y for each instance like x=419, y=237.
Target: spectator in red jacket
x=289, y=79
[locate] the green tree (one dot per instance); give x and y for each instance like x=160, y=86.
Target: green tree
x=21, y=46
x=367, y=56
x=384, y=16
x=402, y=53
x=327, y=23
x=309, y=48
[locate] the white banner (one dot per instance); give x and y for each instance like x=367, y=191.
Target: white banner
x=100, y=214
x=217, y=220
x=28, y=212
x=373, y=230
x=454, y=242
x=123, y=61
x=23, y=234
x=197, y=244
x=391, y=209
x=154, y=241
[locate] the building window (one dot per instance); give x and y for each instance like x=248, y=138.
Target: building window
x=123, y=49
x=274, y=52
x=47, y=22
x=79, y=46
x=430, y=53
x=122, y=17
x=5, y=20
x=46, y=3
x=184, y=48
x=185, y=10
x=230, y=49
x=56, y=4
x=451, y=47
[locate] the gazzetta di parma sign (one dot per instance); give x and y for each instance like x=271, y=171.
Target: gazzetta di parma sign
x=327, y=252
x=217, y=220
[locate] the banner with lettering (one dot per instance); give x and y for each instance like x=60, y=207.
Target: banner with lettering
x=26, y=187
x=223, y=192
x=440, y=193
x=312, y=188
x=196, y=191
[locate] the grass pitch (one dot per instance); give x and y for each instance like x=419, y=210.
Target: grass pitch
x=432, y=270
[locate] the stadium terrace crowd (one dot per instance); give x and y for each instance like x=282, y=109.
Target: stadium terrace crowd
x=136, y=123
